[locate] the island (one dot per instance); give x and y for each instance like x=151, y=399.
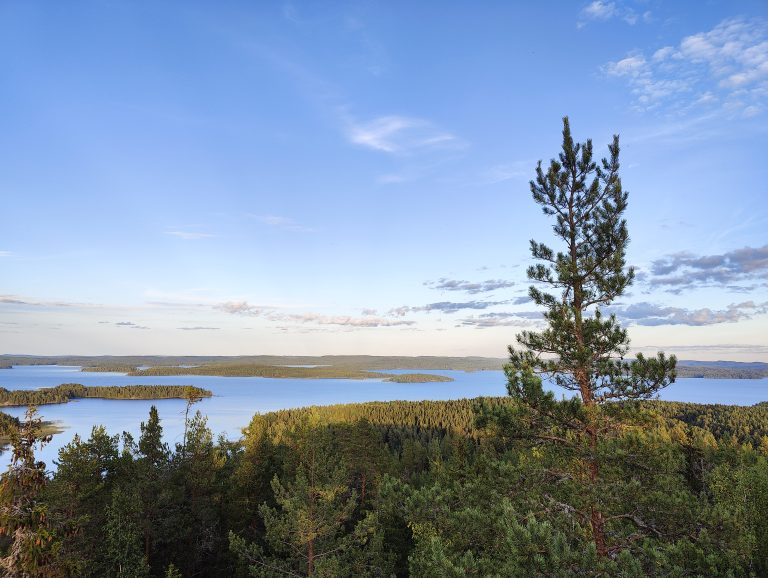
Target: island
x=285, y=372
x=68, y=391
x=418, y=378
x=109, y=368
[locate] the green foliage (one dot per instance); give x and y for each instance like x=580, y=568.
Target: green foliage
x=8, y=424
x=748, y=424
x=313, y=529
x=408, y=489
x=698, y=371
x=28, y=541
x=581, y=350
x=109, y=368
x=122, y=535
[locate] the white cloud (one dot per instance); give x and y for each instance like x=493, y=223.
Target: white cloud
x=603, y=11
x=399, y=134
x=5, y=253
x=728, y=64
x=599, y=10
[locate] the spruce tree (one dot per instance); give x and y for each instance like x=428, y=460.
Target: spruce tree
x=581, y=349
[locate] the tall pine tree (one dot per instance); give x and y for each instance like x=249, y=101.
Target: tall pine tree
x=581, y=350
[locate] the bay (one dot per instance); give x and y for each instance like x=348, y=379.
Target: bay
x=236, y=399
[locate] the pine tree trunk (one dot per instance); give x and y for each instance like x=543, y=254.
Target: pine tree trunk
x=582, y=375
x=310, y=558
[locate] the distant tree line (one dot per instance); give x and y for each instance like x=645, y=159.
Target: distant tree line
x=109, y=368
x=708, y=372
x=124, y=364
x=361, y=362
x=282, y=371
x=419, y=378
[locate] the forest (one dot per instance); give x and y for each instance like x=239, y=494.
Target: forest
x=69, y=391
x=395, y=489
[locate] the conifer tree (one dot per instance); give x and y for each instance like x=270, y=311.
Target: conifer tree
x=30, y=541
x=122, y=533
x=152, y=468
x=313, y=532
x=581, y=350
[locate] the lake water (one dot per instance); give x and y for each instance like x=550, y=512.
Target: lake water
x=236, y=399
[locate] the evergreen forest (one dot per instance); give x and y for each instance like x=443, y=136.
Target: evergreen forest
x=392, y=489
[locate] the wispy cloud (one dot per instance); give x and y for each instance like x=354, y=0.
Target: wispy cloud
x=5, y=253
x=197, y=328
x=726, y=67
x=445, y=284
x=445, y=307
x=400, y=134
x=341, y=320
x=130, y=325
x=189, y=235
x=26, y=301
x=516, y=170
x=285, y=223
x=486, y=320
x=368, y=319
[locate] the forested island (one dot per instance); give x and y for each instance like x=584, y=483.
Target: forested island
x=68, y=391
x=109, y=368
x=419, y=378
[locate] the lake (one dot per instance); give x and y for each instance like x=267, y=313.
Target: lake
x=236, y=399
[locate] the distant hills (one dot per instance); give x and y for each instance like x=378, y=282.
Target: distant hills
x=348, y=363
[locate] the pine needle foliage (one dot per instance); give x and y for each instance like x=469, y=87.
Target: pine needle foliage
x=582, y=348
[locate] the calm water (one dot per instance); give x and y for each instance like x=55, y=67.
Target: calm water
x=236, y=399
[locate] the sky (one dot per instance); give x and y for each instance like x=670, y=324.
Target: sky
x=309, y=178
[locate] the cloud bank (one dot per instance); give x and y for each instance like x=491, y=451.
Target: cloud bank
x=681, y=271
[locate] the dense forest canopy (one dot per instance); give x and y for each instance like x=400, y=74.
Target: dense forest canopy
x=399, y=488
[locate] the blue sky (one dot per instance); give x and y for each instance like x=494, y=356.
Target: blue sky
x=351, y=177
